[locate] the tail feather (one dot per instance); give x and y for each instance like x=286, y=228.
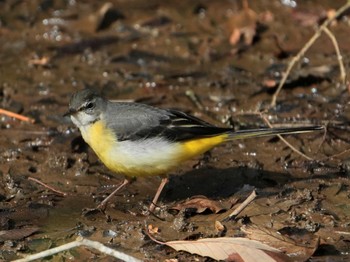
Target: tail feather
x=261, y=132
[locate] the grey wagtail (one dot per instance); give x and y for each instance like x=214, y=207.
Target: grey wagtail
x=140, y=140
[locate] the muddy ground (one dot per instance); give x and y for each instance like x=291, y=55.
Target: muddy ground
x=215, y=60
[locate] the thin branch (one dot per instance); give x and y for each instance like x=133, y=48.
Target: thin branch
x=285, y=141
x=17, y=116
x=242, y=206
x=305, y=48
x=346, y=151
x=339, y=56
x=194, y=99
x=102, y=205
x=152, y=238
x=77, y=243
x=47, y=186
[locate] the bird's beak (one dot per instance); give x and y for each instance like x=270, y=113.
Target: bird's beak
x=70, y=112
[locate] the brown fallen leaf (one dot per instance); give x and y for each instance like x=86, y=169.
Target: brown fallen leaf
x=104, y=17
x=301, y=247
x=243, y=25
x=16, y=234
x=39, y=61
x=200, y=204
x=230, y=249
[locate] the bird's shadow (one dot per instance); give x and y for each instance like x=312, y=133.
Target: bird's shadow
x=220, y=183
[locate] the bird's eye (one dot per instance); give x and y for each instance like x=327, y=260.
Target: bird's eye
x=89, y=105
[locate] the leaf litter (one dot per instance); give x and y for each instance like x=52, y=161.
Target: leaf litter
x=299, y=247
x=230, y=249
x=200, y=204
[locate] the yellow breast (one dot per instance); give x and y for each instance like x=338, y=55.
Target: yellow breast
x=101, y=140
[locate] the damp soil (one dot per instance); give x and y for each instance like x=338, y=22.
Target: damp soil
x=177, y=55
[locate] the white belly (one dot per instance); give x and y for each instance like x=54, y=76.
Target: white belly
x=152, y=156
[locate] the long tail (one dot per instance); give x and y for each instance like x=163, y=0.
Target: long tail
x=261, y=132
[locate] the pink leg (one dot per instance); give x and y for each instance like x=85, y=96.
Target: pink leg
x=159, y=190
x=104, y=202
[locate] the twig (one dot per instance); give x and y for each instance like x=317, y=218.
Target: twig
x=305, y=48
x=102, y=205
x=77, y=243
x=346, y=151
x=242, y=206
x=285, y=141
x=339, y=56
x=17, y=116
x=194, y=99
x=152, y=238
x=342, y=232
x=326, y=123
x=47, y=186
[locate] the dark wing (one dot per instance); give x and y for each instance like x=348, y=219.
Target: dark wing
x=131, y=121
x=186, y=127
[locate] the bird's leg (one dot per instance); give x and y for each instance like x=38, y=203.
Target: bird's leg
x=159, y=190
x=104, y=202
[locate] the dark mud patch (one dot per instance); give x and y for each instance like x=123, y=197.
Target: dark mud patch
x=172, y=55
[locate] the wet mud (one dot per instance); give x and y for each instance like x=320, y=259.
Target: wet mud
x=182, y=55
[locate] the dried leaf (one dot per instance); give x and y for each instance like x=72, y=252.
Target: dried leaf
x=230, y=249
x=152, y=229
x=16, y=234
x=219, y=227
x=243, y=26
x=200, y=204
x=98, y=20
x=300, y=247
x=39, y=61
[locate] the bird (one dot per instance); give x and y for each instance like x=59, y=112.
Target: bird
x=136, y=139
